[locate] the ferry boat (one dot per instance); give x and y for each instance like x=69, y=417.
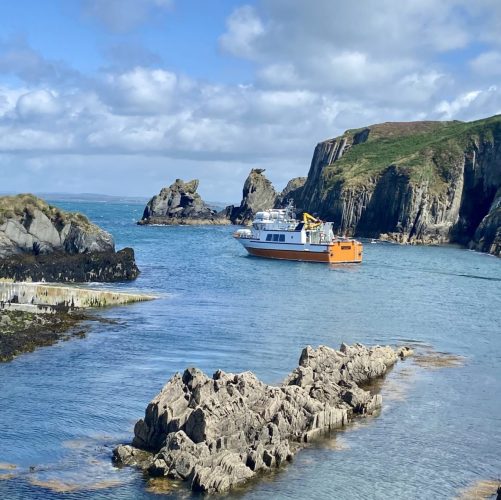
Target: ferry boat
x=277, y=234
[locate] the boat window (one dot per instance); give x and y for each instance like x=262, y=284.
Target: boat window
x=275, y=237
x=269, y=237
x=282, y=237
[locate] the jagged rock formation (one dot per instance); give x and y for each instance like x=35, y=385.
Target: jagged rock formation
x=41, y=242
x=219, y=432
x=181, y=204
x=290, y=192
x=418, y=182
x=258, y=194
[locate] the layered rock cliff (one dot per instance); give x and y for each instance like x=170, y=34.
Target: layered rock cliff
x=181, y=204
x=41, y=242
x=218, y=432
x=418, y=182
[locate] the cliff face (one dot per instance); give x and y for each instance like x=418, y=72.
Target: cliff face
x=41, y=242
x=421, y=182
x=488, y=234
x=180, y=204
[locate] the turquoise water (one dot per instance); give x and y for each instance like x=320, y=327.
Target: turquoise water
x=63, y=408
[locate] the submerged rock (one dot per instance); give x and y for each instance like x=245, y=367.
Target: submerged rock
x=181, y=204
x=216, y=433
x=41, y=242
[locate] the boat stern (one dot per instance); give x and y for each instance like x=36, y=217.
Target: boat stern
x=345, y=251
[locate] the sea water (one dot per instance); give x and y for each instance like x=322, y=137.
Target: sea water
x=63, y=408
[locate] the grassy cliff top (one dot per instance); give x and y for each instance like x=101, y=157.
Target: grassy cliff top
x=22, y=205
x=425, y=151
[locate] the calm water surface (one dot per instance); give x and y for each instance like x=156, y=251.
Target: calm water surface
x=64, y=408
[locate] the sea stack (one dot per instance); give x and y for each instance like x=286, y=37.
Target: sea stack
x=40, y=242
x=180, y=204
x=258, y=194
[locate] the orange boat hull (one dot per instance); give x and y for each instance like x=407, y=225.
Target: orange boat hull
x=339, y=252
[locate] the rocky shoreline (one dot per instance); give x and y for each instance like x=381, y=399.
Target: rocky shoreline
x=217, y=433
x=60, y=267
x=22, y=332
x=40, y=242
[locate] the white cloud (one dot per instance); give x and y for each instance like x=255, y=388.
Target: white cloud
x=473, y=104
x=487, y=64
x=244, y=30
x=38, y=103
x=142, y=90
x=321, y=68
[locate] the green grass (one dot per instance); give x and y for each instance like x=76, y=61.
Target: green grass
x=24, y=205
x=425, y=151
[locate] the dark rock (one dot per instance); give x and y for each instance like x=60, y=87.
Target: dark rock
x=41, y=242
x=181, y=204
x=487, y=237
x=258, y=194
x=71, y=268
x=291, y=192
x=218, y=432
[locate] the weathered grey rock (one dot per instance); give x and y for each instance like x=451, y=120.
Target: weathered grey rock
x=216, y=433
x=41, y=242
x=30, y=225
x=258, y=194
x=180, y=204
x=291, y=192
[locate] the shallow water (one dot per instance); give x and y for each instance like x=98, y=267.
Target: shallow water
x=63, y=408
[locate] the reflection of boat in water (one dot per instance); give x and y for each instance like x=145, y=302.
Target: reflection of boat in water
x=277, y=234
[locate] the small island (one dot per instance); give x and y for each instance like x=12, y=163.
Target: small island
x=218, y=432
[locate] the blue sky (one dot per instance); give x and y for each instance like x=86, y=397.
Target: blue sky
x=124, y=96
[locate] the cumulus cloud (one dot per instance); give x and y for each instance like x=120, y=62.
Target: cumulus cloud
x=487, y=63
x=471, y=105
x=38, y=103
x=142, y=90
x=321, y=68
x=244, y=30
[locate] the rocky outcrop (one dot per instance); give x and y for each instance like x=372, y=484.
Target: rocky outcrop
x=487, y=237
x=218, y=432
x=258, y=194
x=418, y=182
x=290, y=192
x=41, y=242
x=181, y=204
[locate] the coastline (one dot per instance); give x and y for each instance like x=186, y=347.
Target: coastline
x=34, y=315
